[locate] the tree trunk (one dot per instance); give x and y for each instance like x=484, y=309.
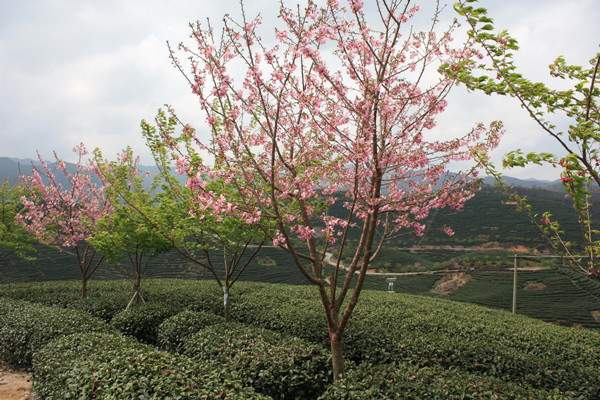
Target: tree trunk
x=337, y=356
x=226, y=302
x=84, y=282
x=137, y=287
x=137, y=297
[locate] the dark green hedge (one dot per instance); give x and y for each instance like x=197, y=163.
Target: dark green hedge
x=399, y=381
x=389, y=328
x=142, y=321
x=289, y=309
x=26, y=327
x=105, y=299
x=173, y=332
x=105, y=366
x=431, y=332
x=279, y=366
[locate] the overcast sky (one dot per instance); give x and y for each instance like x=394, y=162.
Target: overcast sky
x=90, y=70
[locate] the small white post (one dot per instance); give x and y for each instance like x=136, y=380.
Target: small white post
x=390, y=282
x=514, y=297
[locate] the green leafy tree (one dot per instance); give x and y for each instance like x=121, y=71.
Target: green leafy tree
x=195, y=233
x=14, y=239
x=122, y=233
x=579, y=105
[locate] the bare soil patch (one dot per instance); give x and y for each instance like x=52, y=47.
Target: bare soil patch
x=14, y=385
x=450, y=283
x=535, y=286
x=596, y=315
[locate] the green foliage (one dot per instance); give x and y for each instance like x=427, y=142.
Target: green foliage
x=579, y=105
x=279, y=366
x=194, y=227
x=12, y=235
x=459, y=342
x=430, y=332
x=131, y=227
x=26, y=327
x=142, y=321
x=174, y=331
x=398, y=381
x=290, y=311
x=102, y=366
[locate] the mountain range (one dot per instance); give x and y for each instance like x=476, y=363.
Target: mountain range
x=12, y=168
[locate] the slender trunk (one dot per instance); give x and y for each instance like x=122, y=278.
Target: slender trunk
x=137, y=297
x=226, y=302
x=337, y=355
x=137, y=289
x=84, y=281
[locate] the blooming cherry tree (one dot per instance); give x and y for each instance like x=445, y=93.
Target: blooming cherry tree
x=339, y=110
x=62, y=211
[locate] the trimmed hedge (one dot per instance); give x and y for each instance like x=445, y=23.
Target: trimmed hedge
x=406, y=382
x=173, y=332
x=433, y=332
x=389, y=328
x=292, y=310
x=26, y=327
x=281, y=367
x=142, y=321
x=105, y=366
x=105, y=298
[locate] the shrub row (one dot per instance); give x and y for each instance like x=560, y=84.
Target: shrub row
x=109, y=366
x=108, y=298
x=400, y=328
x=401, y=381
x=281, y=367
x=26, y=327
x=174, y=331
x=437, y=333
x=142, y=321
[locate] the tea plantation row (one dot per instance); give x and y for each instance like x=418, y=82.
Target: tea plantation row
x=398, y=346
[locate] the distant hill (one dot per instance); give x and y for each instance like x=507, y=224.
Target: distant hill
x=12, y=168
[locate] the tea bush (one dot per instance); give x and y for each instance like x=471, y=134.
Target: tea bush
x=142, y=321
x=105, y=366
x=400, y=381
x=282, y=367
x=173, y=332
x=26, y=327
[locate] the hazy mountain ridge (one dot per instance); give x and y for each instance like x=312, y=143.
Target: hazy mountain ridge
x=11, y=168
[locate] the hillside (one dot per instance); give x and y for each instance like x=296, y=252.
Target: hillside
x=563, y=298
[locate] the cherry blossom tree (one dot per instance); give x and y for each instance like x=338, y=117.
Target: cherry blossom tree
x=338, y=110
x=62, y=210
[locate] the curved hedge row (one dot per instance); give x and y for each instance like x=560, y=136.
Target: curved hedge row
x=173, y=332
x=282, y=367
x=399, y=381
x=105, y=299
x=390, y=328
x=433, y=332
x=26, y=327
x=142, y=321
x=109, y=366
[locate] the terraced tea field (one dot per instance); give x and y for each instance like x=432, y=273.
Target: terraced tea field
x=560, y=297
